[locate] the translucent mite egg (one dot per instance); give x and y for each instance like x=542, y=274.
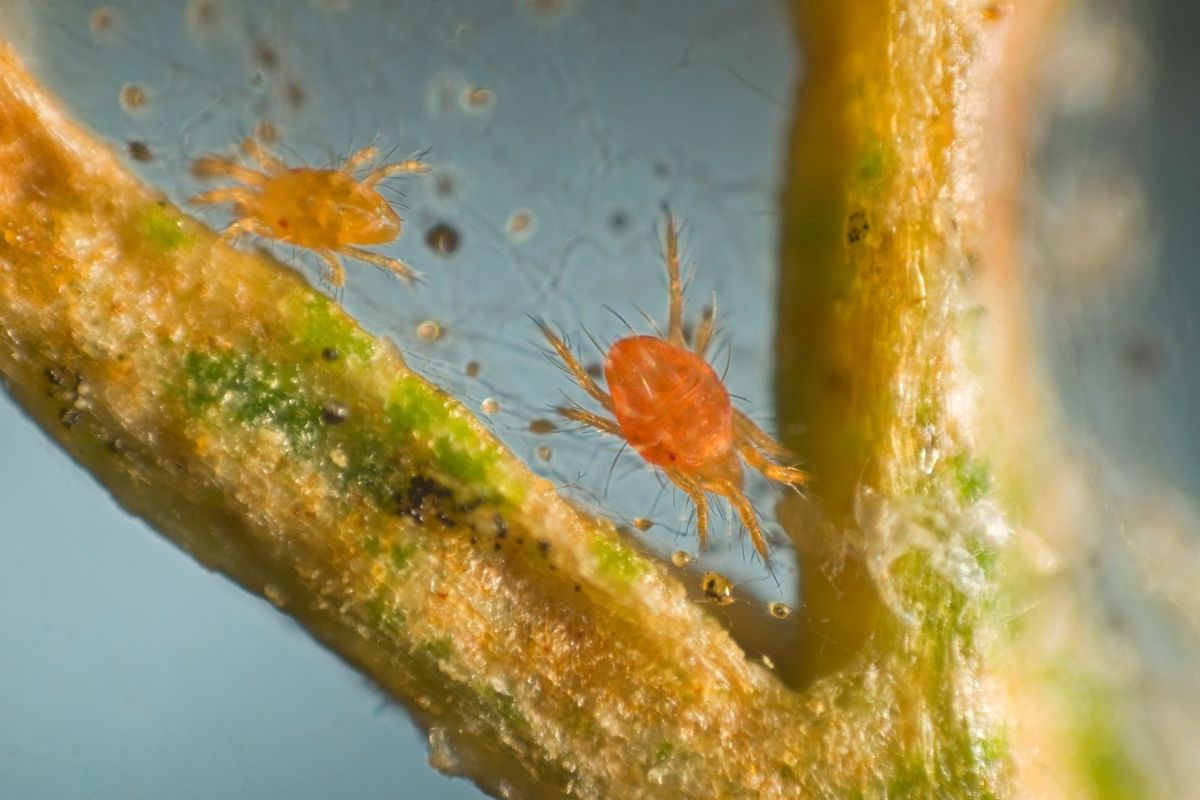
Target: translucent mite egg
x=443, y=239
x=104, y=23
x=717, y=588
x=266, y=131
x=133, y=98
x=477, y=99
x=429, y=331
x=521, y=225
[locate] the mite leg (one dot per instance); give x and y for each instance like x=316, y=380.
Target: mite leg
x=674, y=285
x=406, y=273
x=358, y=159
x=696, y=492
x=576, y=369
x=229, y=194
x=747, y=431
x=387, y=170
x=240, y=226
x=270, y=163
x=335, y=273
x=592, y=420
x=225, y=167
x=776, y=472
x=704, y=332
x=746, y=514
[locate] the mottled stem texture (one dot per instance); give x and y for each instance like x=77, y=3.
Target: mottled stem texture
x=244, y=415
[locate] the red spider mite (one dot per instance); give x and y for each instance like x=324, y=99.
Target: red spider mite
x=328, y=211
x=672, y=408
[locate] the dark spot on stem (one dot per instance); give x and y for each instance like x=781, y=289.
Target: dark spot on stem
x=857, y=227
x=334, y=413
x=422, y=490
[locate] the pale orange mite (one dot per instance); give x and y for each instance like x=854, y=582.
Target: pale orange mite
x=673, y=409
x=328, y=211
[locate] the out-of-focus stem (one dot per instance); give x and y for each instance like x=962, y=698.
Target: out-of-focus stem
x=903, y=359
x=885, y=329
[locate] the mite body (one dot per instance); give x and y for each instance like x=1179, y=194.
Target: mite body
x=329, y=211
x=670, y=405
